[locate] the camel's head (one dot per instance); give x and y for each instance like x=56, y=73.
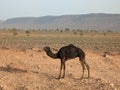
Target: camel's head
x=47, y=49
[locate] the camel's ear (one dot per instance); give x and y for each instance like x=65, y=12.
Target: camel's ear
x=46, y=48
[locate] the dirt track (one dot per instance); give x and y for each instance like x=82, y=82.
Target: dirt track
x=33, y=70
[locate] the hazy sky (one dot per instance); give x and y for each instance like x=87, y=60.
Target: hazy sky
x=36, y=8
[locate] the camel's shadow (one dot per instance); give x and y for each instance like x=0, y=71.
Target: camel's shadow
x=12, y=70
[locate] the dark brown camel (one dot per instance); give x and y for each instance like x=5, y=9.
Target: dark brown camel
x=66, y=53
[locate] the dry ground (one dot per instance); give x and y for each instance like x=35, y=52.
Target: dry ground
x=32, y=70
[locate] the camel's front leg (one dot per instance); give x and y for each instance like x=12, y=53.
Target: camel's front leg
x=60, y=71
x=64, y=70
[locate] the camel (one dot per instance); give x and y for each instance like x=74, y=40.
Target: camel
x=66, y=53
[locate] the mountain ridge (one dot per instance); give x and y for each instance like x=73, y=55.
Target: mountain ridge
x=94, y=21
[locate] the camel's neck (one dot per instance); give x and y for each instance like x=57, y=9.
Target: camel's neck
x=52, y=55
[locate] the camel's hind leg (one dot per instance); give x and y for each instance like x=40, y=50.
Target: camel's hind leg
x=83, y=68
x=84, y=63
x=88, y=68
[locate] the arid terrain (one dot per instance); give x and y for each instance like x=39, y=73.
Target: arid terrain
x=25, y=66
x=33, y=70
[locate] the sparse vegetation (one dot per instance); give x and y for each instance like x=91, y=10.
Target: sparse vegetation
x=27, y=32
x=97, y=41
x=14, y=31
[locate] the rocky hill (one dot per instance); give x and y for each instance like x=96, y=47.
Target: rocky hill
x=97, y=21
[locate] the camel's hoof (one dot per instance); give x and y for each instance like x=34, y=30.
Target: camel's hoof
x=88, y=77
x=58, y=78
x=63, y=77
x=81, y=78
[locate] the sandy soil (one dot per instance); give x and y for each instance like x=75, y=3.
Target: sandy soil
x=32, y=70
